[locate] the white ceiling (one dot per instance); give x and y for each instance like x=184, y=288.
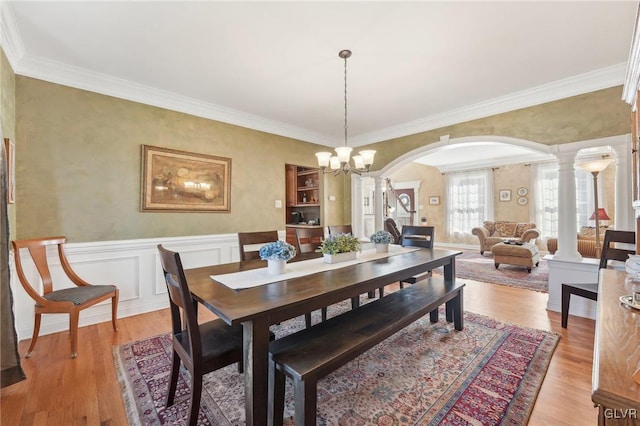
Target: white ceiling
x=274, y=66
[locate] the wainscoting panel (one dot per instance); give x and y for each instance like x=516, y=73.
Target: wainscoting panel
x=132, y=265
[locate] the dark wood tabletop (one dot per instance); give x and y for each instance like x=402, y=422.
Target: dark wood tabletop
x=256, y=308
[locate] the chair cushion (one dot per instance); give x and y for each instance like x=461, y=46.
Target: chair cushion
x=522, y=227
x=506, y=229
x=79, y=295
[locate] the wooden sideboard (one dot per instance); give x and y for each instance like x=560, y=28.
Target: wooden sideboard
x=616, y=353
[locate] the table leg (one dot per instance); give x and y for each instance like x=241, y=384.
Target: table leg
x=256, y=370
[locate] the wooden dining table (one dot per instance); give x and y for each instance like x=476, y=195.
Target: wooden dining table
x=258, y=307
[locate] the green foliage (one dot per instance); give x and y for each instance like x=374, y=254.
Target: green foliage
x=340, y=243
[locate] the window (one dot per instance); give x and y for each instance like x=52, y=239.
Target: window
x=545, y=179
x=469, y=201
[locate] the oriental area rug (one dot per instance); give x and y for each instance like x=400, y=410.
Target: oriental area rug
x=474, y=266
x=428, y=374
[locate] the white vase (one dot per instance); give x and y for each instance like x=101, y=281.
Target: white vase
x=339, y=257
x=382, y=248
x=276, y=266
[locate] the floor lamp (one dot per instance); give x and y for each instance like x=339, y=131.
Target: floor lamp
x=595, y=167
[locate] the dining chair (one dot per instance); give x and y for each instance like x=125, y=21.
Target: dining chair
x=391, y=227
x=202, y=348
x=417, y=236
x=308, y=241
x=246, y=239
x=608, y=253
x=340, y=229
x=69, y=300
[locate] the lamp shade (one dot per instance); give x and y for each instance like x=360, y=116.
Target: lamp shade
x=596, y=165
x=602, y=215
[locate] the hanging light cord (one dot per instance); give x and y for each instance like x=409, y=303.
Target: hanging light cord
x=344, y=54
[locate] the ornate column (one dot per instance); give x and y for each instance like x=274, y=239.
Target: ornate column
x=567, y=231
x=379, y=202
x=624, y=215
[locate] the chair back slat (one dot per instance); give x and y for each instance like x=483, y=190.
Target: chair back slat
x=611, y=252
x=249, y=238
x=309, y=239
x=180, y=298
x=417, y=236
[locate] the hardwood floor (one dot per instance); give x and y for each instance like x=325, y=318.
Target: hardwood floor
x=63, y=391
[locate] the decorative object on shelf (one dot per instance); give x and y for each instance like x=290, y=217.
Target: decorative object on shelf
x=277, y=254
x=522, y=191
x=339, y=248
x=505, y=195
x=382, y=239
x=340, y=163
x=523, y=201
x=434, y=201
x=595, y=167
x=175, y=180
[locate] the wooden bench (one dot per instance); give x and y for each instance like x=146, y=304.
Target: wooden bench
x=312, y=353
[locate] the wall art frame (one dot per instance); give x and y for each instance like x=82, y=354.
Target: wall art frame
x=10, y=152
x=505, y=195
x=434, y=200
x=181, y=181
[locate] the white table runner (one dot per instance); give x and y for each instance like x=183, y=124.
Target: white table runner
x=256, y=277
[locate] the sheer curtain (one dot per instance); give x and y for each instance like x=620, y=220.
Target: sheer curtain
x=9, y=357
x=469, y=202
x=545, y=193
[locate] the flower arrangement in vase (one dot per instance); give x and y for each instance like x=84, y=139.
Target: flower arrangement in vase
x=339, y=247
x=277, y=254
x=382, y=239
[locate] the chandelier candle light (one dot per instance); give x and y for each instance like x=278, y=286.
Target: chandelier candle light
x=339, y=163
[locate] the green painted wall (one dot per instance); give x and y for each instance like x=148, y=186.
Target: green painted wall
x=78, y=159
x=590, y=116
x=79, y=166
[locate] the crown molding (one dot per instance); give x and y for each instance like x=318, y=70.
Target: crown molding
x=560, y=89
x=10, y=37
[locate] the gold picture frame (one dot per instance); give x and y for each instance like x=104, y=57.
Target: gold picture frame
x=10, y=152
x=181, y=181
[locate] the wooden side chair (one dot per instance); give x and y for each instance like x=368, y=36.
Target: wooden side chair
x=252, y=238
x=417, y=236
x=308, y=240
x=202, y=348
x=391, y=227
x=70, y=300
x=609, y=252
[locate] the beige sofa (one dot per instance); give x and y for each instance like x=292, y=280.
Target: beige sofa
x=586, y=241
x=492, y=233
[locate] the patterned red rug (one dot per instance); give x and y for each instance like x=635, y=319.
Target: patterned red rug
x=474, y=266
x=488, y=374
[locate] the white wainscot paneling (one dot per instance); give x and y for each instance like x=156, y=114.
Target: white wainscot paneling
x=132, y=265
x=565, y=272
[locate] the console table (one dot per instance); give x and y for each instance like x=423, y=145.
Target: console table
x=616, y=353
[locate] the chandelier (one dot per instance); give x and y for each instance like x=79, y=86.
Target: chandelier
x=339, y=163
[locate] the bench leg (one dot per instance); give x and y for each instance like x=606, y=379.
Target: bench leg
x=305, y=395
x=355, y=302
x=433, y=315
x=276, y=396
x=449, y=311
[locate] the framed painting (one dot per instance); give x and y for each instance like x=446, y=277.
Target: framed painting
x=434, y=200
x=505, y=195
x=184, y=181
x=10, y=152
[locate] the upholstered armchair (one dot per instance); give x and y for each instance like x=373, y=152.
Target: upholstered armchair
x=586, y=241
x=492, y=233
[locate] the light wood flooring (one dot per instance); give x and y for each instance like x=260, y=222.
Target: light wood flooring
x=84, y=391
